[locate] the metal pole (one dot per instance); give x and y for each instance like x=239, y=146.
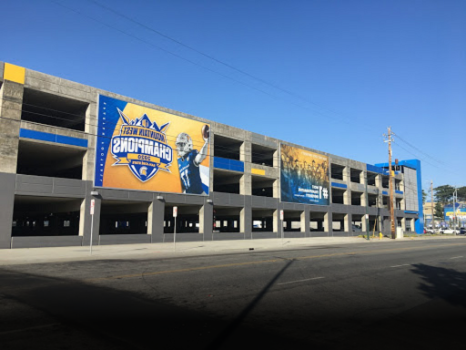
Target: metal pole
x=174, y=236
x=432, y=204
x=454, y=211
x=92, y=229
x=390, y=184
x=367, y=210
x=281, y=224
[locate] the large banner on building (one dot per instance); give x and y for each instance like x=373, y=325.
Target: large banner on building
x=450, y=213
x=140, y=148
x=304, y=176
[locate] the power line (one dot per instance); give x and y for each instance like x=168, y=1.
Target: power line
x=345, y=120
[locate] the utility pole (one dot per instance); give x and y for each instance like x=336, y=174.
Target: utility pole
x=455, y=196
x=390, y=182
x=367, y=208
x=432, y=203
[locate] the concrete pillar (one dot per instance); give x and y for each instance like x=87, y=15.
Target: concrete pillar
x=328, y=219
x=364, y=199
x=245, y=220
x=276, y=189
x=91, y=130
x=276, y=160
x=7, y=199
x=206, y=220
x=347, y=197
x=379, y=200
x=245, y=185
x=11, y=100
x=155, y=219
x=276, y=221
x=378, y=181
x=305, y=219
x=348, y=222
x=347, y=174
x=245, y=152
x=363, y=224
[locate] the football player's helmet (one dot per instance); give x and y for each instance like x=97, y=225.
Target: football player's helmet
x=184, y=144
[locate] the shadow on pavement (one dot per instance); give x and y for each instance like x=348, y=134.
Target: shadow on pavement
x=43, y=312
x=439, y=282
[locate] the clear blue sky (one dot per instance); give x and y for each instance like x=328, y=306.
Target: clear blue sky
x=329, y=75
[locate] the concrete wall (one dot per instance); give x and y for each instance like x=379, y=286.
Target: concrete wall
x=13, y=185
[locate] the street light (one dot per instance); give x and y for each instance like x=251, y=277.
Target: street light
x=455, y=196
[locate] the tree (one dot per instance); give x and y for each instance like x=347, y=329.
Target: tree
x=424, y=196
x=462, y=194
x=438, y=211
x=444, y=194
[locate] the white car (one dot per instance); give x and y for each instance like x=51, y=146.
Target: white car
x=450, y=231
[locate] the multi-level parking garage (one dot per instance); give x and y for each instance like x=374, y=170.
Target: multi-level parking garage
x=65, y=146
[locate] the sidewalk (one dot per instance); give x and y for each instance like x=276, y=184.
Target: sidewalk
x=183, y=249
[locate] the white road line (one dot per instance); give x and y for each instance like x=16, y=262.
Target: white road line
x=456, y=257
x=400, y=265
x=308, y=279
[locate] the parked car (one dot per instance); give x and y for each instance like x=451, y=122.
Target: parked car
x=429, y=230
x=450, y=231
x=463, y=230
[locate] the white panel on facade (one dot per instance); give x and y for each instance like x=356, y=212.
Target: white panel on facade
x=411, y=195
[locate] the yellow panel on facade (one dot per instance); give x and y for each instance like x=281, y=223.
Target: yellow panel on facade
x=14, y=73
x=257, y=171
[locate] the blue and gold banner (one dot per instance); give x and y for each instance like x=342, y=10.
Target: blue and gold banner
x=304, y=176
x=139, y=148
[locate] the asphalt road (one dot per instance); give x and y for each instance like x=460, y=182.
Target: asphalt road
x=400, y=294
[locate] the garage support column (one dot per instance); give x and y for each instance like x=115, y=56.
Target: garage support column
x=363, y=224
x=11, y=101
x=328, y=219
x=7, y=198
x=245, y=186
x=305, y=219
x=245, y=155
x=276, y=189
x=347, y=197
x=386, y=225
x=91, y=129
x=245, y=220
x=206, y=220
x=155, y=219
x=348, y=223
x=276, y=221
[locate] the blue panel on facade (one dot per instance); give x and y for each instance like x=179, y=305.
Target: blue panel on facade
x=336, y=184
x=45, y=136
x=71, y=141
x=411, y=212
x=385, y=193
x=36, y=135
x=399, y=192
x=376, y=169
x=228, y=164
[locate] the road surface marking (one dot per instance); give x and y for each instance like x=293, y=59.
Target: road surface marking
x=248, y=263
x=307, y=279
x=456, y=257
x=400, y=265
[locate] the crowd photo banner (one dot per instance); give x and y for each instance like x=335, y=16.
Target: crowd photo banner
x=304, y=176
x=139, y=148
